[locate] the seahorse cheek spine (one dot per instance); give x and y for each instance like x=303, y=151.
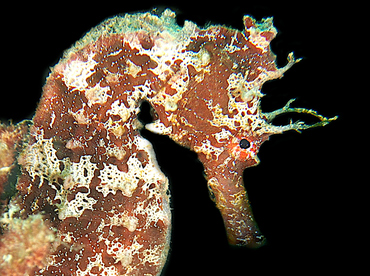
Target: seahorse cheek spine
x=87, y=168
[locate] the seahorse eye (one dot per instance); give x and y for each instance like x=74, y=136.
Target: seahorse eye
x=244, y=143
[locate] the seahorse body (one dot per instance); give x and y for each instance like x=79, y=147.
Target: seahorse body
x=96, y=180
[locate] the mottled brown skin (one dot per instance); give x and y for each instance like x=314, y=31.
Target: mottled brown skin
x=237, y=215
x=39, y=197
x=88, y=113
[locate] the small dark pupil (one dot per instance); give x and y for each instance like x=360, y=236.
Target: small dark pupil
x=244, y=143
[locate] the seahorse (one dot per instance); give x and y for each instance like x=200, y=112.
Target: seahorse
x=95, y=180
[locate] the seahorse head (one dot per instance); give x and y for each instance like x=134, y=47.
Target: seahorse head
x=212, y=104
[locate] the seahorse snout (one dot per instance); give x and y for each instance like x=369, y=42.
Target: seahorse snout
x=227, y=191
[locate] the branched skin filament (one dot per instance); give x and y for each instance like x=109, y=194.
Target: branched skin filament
x=96, y=181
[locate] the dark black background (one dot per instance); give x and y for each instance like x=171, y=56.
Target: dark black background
x=301, y=193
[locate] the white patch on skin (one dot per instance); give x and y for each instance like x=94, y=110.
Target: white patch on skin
x=123, y=219
x=257, y=40
x=83, y=172
x=66, y=237
x=73, y=144
x=115, y=151
x=159, y=128
x=222, y=135
x=112, y=179
x=77, y=206
x=39, y=159
x=230, y=47
x=80, y=116
x=119, y=108
x=97, y=95
x=140, y=92
x=248, y=90
x=52, y=119
x=123, y=253
x=153, y=175
x=208, y=149
x=116, y=127
x=255, y=36
x=247, y=122
x=77, y=71
x=152, y=172
x=132, y=69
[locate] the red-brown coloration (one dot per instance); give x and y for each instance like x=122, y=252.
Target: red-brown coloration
x=87, y=168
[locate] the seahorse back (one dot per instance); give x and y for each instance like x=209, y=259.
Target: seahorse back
x=87, y=166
